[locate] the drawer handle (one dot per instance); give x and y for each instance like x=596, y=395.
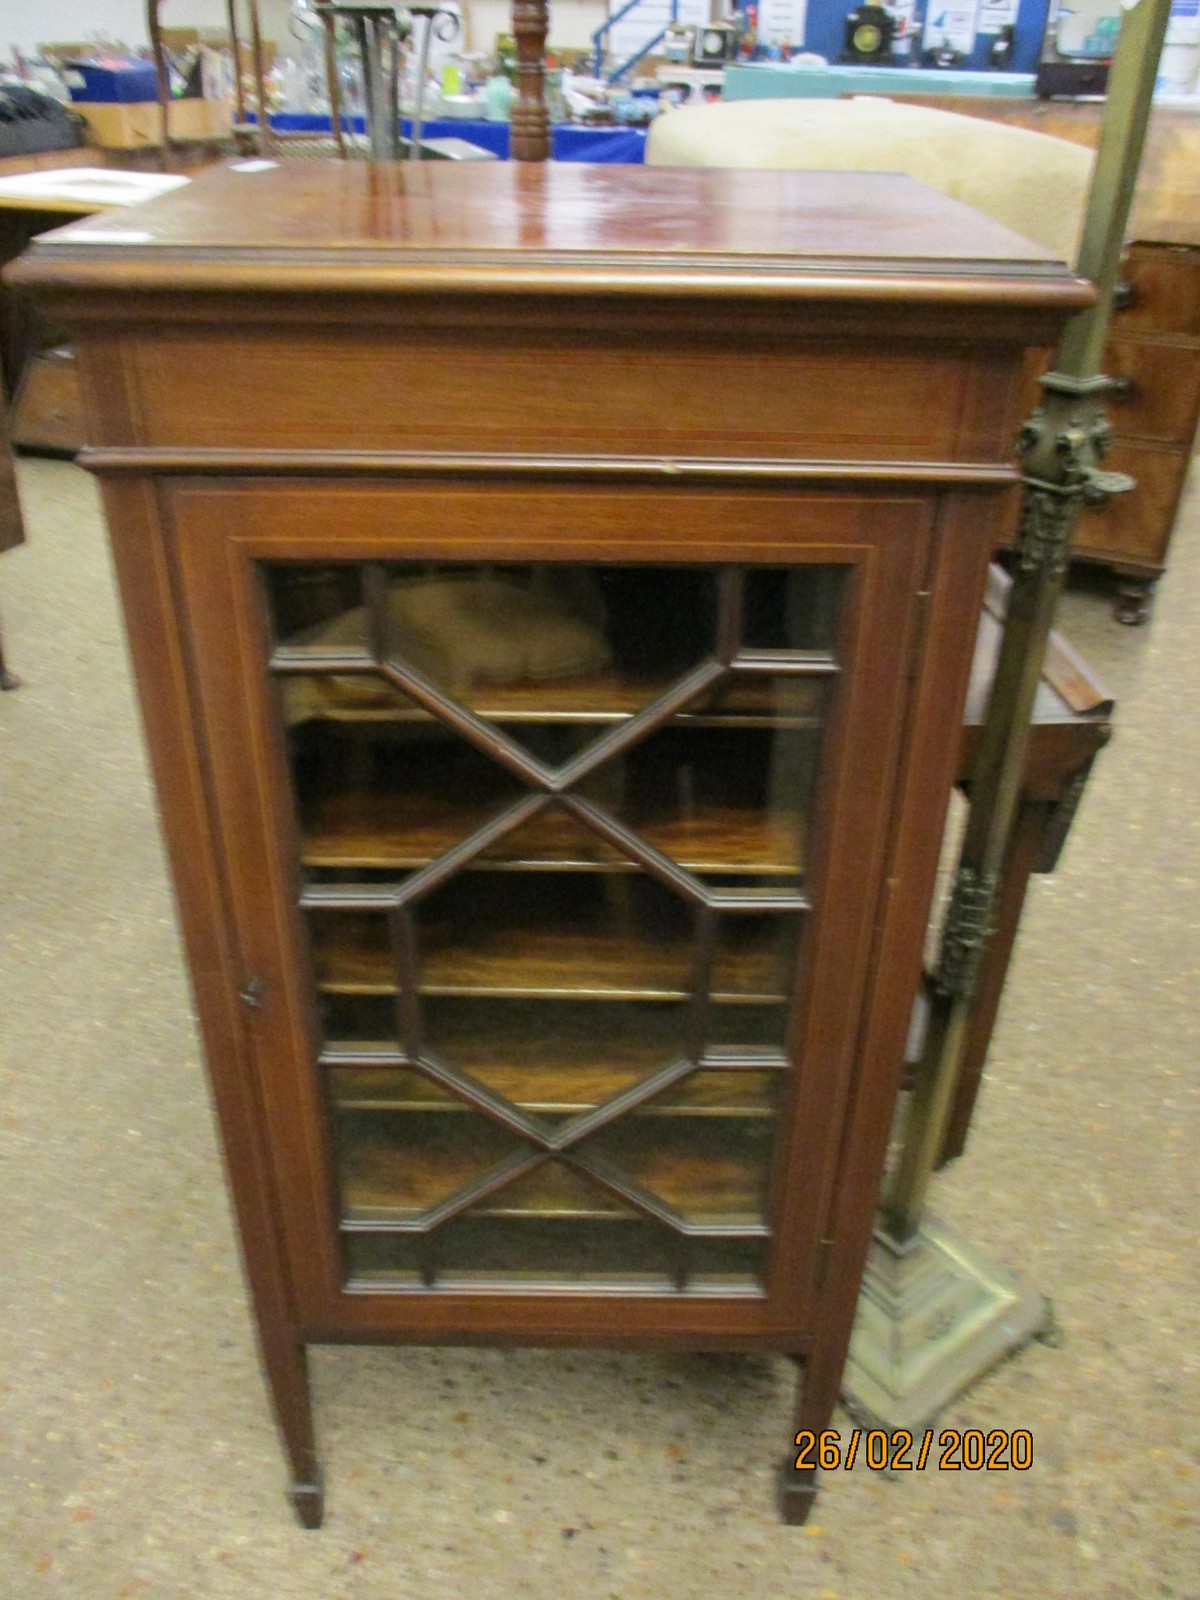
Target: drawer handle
x=1124, y=295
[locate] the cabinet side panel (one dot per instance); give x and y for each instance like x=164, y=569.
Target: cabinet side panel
x=857, y=823
x=108, y=392
x=965, y=534
x=999, y=394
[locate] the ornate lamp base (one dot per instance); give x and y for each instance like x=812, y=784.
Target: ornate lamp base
x=934, y=1314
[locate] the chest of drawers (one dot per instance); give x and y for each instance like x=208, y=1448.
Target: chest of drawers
x=1153, y=353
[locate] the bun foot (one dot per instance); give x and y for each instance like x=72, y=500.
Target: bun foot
x=308, y=1501
x=1133, y=602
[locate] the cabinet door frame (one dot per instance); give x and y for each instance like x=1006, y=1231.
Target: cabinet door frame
x=218, y=532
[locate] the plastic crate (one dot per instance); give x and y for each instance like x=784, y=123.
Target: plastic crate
x=111, y=82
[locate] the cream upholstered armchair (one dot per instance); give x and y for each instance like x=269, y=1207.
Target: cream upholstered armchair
x=1030, y=182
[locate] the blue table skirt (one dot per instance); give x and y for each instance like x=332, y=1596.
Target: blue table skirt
x=615, y=146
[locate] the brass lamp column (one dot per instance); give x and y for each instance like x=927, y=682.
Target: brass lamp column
x=934, y=1313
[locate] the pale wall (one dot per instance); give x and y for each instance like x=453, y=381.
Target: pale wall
x=28, y=23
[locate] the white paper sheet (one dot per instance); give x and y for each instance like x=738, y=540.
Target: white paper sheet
x=950, y=23
x=98, y=185
x=780, y=20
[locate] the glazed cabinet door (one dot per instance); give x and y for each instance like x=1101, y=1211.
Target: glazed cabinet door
x=554, y=820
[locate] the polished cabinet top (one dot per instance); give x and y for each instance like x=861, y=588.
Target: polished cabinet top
x=509, y=227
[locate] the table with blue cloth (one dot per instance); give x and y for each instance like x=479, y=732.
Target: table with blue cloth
x=569, y=141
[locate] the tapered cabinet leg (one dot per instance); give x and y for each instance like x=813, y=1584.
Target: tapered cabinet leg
x=308, y=1499
x=813, y=1411
x=797, y=1493
x=287, y=1374
x=8, y=680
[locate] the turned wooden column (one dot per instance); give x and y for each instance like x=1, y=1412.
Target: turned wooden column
x=530, y=137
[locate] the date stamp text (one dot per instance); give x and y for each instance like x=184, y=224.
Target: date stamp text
x=950, y=1450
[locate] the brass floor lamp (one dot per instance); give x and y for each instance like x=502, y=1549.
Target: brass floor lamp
x=935, y=1313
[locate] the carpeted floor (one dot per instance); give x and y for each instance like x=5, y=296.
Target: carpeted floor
x=137, y=1457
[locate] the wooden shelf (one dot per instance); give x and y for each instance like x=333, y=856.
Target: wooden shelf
x=381, y=829
x=744, y=700
x=495, y=1035
x=396, y=1166
x=553, y=957
x=558, y=1091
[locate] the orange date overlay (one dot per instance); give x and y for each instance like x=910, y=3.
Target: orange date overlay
x=951, y=1450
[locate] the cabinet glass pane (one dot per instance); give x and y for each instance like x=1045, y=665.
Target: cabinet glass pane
x=396, y=1165
x=791, y=609
x=573, y=1250
x=623, y=1249
x=706, y=1153
x=557, y=1059
x=555, y=832
x=479, y=1031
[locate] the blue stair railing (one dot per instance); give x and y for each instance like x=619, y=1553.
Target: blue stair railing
x=600, y=37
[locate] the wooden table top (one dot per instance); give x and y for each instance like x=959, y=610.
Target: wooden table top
x=558, y=227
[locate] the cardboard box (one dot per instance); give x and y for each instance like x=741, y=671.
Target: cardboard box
x=132, y=127
x=180, y=39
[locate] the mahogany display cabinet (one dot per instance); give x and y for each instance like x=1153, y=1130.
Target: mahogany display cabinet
x=552, y=593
